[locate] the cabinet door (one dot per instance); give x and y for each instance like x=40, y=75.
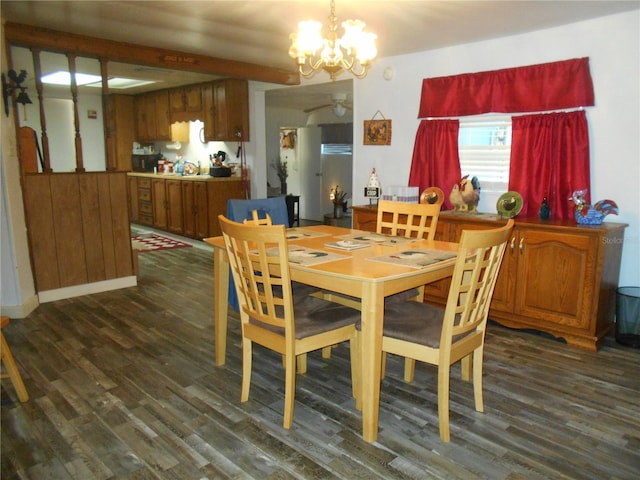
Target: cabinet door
x=162, y=117
x=189, y=221
x=141, y=106
x=185, y=99
x=226, y=104
x=504, y=291
x=201, y=210
x=193, y=98
x=555, y=276
x=174, y=206
x=159, y=197
x=123, y=130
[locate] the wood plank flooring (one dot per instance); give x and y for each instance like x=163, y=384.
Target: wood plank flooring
x=123, y=386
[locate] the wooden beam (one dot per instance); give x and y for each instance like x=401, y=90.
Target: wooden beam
x=56, y=41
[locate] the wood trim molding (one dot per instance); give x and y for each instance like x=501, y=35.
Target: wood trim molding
x=56, y=41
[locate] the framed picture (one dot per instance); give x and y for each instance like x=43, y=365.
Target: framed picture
x=377, y=132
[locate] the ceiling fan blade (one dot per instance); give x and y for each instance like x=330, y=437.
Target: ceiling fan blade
x=319, y=107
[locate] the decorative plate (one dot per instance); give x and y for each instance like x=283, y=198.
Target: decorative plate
x=432, y=195
x=509, y=204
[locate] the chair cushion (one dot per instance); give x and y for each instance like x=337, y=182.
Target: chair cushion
x=414, y=322
x=314, y=315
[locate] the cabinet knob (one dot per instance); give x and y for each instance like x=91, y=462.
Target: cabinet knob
x=513, y=242
x=521, y=245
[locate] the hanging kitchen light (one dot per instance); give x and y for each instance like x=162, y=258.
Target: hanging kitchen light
x=353, y=52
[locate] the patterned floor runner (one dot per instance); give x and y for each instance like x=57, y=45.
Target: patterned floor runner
x=148, y=243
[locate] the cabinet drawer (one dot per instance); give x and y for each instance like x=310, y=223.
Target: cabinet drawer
x=146, y=219
x=144, y=182
x=146, y=207
x=144, y=195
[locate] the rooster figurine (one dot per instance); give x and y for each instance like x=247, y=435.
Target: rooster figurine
x=591, y=214
x=465, y=195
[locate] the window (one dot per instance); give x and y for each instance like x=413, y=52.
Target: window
x=484, y=146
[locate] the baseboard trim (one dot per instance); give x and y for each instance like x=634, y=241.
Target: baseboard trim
x=21, y=311
x=87, y=289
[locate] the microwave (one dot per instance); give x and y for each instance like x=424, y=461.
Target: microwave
x=145, y=163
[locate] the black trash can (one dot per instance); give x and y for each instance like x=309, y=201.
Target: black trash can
x=628, y=316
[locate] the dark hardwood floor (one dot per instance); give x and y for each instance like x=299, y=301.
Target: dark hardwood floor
x=123, y=385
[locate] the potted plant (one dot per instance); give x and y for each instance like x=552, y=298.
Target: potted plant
x=281, y=170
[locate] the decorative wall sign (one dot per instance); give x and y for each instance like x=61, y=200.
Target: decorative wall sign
x=377, y=132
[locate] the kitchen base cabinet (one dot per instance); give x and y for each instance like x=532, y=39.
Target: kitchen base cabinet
x=186, y=206
x=159, y=200
x=556, y=277
x=195, y=209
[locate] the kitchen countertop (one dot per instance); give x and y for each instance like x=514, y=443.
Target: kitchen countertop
x=172, y=176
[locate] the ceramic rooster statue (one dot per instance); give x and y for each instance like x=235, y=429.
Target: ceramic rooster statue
x=591, y=214
x=465, y=195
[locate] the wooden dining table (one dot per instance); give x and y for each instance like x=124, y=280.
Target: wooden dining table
x=358, y=273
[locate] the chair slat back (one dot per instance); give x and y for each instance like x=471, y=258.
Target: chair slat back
x=256, y=220
x=474, y=278
x=258, y=259
x=410, y=220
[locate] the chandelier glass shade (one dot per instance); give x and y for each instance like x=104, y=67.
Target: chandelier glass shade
x=354, y=51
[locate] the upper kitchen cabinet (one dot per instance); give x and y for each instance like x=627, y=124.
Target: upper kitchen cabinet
x=152, y=116
x=185, y=103
x=121, y=130
x=226, y=110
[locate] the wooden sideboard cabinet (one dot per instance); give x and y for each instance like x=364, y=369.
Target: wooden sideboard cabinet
x=556, y=277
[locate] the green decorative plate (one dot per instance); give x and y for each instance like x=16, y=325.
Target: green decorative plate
x=509, y=204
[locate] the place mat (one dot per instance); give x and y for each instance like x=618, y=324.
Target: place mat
x=377, y=239
x=308, y=256
x=418, y=258
x=298, y=233
x=149, y=243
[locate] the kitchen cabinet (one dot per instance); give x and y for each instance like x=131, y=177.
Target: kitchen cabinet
x=145, y=205
x=185, y=103
x=226, y=110
x=187, y=206
x=121, y=131
x=159, y=201
x=556, y=277
x=195, y=209
x=152, y=120
x=167, y=204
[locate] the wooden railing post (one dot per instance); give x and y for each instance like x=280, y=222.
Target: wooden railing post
x=43, y=122
x=76, y=116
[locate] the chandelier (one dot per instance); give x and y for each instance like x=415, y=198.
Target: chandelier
x=353, y=52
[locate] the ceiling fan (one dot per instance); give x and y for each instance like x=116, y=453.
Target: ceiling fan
x=338, y=104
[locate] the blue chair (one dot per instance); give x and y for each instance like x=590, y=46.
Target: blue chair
x=239, y=210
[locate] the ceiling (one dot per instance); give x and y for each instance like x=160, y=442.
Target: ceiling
x=258, y=31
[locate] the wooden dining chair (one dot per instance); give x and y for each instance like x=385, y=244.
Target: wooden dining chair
x=444, y=336
x=10, y=364
x=266, y=220
x=410, y=220
x=275, y=315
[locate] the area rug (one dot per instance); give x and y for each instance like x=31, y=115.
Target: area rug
x=154, y=242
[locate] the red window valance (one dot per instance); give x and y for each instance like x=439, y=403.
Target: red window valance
x=535, y=88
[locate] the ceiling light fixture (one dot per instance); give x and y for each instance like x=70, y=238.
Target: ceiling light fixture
x=353, y=52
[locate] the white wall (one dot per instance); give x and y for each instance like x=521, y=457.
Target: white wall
x=612, y=44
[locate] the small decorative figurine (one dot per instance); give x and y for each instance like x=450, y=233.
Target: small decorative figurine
x=545, y=210
x=586, y=214
x=373, y=189
x=465, y=195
